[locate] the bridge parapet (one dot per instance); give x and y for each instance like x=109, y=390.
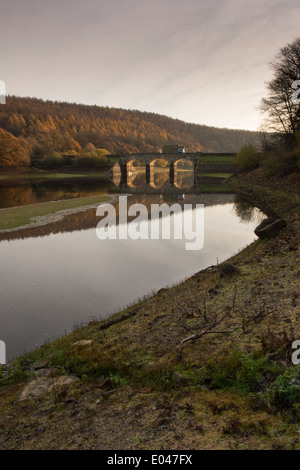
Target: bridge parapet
x=150, y=157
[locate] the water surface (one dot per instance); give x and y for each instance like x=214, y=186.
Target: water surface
x=53, y=277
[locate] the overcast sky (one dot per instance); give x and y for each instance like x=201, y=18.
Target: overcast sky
x=200, y=61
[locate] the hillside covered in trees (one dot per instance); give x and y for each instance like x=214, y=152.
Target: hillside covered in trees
x=13, y=151
x=47, y=128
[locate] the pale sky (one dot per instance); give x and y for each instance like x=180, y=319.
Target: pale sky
x=199, y=61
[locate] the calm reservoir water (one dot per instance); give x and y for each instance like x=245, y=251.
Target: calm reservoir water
x=53, y=278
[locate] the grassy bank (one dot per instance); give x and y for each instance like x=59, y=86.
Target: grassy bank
x=217, y=159
x=217, y=166
x=20, y=216
x=51, y=175
x=219, y=175
x=143, y=384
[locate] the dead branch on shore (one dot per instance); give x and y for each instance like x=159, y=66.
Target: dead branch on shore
x=193, y=315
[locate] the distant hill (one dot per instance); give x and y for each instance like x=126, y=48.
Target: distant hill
x=49, y=127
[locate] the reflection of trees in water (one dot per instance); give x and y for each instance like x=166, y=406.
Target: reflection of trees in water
x=160, y=163
x=137, y=180
x=182, y=178
x=161, y=177
x=87, y=218
x=82, y=220
x=16, y=196
x=32, y=193
x=245, y=211
x=185, y=165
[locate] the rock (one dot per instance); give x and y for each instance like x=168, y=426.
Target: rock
x=46, y=372
x=42, y=385
x=269, y=227
x=227, y=269
x=180, y=379
x=83, y=342
x=105, y=383
x=41, y=365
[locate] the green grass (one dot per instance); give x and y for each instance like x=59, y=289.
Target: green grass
x=217, y=159
x=214, y=188
x=19, y=216
x=216, y=175
x=49, y=175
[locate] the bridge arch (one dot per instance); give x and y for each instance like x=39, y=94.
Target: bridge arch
x=157, y=179
x=154, y=162
x=130, y=164
x=188, y=164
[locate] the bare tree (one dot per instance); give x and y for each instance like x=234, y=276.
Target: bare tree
x=282, y=110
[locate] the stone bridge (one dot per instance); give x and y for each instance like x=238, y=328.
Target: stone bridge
x=149, y=160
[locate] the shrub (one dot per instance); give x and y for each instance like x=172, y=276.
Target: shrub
x=52, y=161
x=277, y=344
x=247, y=159
x=285, y=390
x=238, y=370
x=90, y=161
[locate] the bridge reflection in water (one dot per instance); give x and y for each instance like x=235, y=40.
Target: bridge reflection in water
x=156, y=172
